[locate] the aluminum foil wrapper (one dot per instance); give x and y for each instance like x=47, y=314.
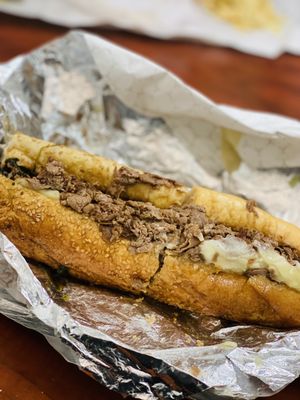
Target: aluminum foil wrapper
x=85, y=92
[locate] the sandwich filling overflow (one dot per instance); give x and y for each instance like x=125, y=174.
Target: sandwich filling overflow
x=180, y=230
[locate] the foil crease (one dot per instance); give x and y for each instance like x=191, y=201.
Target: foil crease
x=84, y=92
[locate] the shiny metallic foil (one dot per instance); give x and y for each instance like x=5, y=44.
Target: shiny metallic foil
x=87, y=93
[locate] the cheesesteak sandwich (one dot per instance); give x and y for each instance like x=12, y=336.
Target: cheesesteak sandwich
x=196, y=249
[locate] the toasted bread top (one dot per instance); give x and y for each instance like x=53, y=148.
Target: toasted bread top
x=227, y=209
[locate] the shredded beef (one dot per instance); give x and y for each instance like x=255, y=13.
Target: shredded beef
x=216, y=231
x=268, y=273
x=77, y=201
x=125, y=177
x=250, y=205
x=252, y=237
x=53, y=176
x=257, y=271
x=176, y=228
x=290, y=254
x=180, y=229
x=11, y=169
x=141, y=223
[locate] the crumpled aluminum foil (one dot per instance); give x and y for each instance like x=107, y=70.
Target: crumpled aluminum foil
x=85, y=92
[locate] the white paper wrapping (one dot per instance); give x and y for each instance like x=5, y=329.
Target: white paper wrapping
x=167, y=19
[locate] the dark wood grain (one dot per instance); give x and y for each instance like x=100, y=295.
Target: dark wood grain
x=29, y=368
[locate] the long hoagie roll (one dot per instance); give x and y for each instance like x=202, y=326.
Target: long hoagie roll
x=197, y=249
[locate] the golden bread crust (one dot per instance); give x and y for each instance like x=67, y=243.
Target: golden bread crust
x=44, y=230
x=206, y=290
x=18, y=147
x=47, y=232
x=97, y=170
x=232, y=211
x=221, y=207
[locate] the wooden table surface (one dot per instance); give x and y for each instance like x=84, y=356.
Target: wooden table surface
x=29, y=368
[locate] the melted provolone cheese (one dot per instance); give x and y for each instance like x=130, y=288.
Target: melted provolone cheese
x=51, y=194
x=235, y=255
x=281, y=269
